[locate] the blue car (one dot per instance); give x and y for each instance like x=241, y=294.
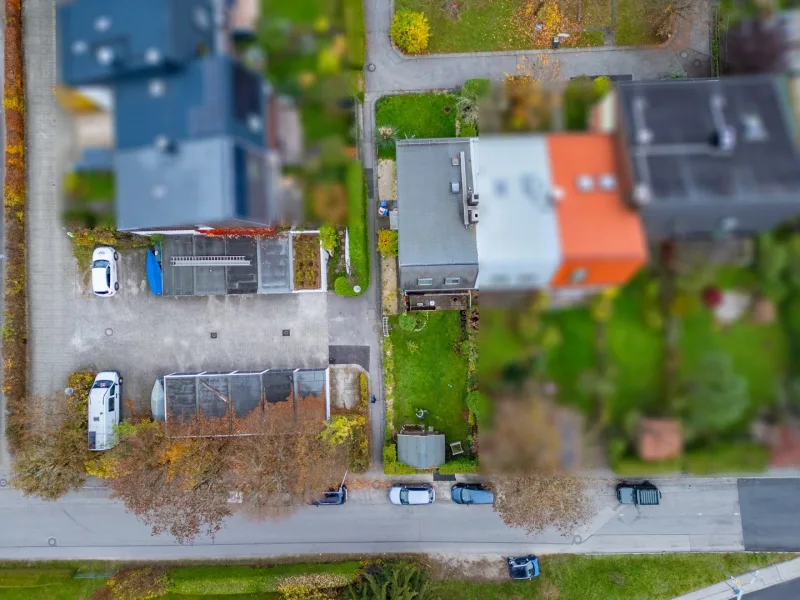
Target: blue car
x=471, y=493
x=523, y=567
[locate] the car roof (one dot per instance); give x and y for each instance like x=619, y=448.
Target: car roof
x=99, y=281
x=418, y=495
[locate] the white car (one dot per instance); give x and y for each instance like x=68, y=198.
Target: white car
x=104, y=409
x=104, y=271
x=412, y=493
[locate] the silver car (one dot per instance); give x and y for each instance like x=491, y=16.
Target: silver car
x=412, y=493
x=104, y=271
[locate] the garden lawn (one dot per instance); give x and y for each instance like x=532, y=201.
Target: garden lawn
x=596, y=13
x=415, y=116
x=45, y=584
x=635, y=577
x=636, y=350
x=759, y=353
x=481, y=26
x=635, y=21
x=499, y=345
x=430, y=375
x=719, y=459
x=573, y=356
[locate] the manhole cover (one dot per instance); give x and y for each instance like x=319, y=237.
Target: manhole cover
x=51, y=541
x=3, y=483
x=376, y=329
x=213, y=335
x=371, y=67
x=684, y=54
x=286, y=333
x=109, y=331
x=697, y=63
x=577, y=539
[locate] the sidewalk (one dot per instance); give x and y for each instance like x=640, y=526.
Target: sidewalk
x=767, y=577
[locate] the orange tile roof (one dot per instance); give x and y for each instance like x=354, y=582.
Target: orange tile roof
x=595, y=224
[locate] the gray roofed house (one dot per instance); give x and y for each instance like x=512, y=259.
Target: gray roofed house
x=422, y=450
x=710, y=157
x=437, y=243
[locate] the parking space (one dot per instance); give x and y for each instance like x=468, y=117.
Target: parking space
x=145, y=336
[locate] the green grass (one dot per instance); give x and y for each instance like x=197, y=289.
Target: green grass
x=357, y=226
x=498, y=343
x=415, y=116
x=459, y=466
x=356, y=30
x=43, y=583
x=430, y=375
x=88, y=186
x=574, y=356
x=299, y=12
x=596, y=13
x=719, y=459
x=636, y=350
x=586, y=39
x=759, y=353
x=481, y=26
x=632, y=577
x=635, y=21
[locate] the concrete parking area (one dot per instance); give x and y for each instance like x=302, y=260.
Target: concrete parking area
x=145, y=336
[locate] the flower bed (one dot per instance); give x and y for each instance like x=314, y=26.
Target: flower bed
x=15, y=332
x=307, y=273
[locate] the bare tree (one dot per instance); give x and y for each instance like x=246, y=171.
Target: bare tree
x=754, y=46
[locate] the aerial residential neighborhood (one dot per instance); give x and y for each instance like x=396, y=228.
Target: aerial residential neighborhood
x=364, y=299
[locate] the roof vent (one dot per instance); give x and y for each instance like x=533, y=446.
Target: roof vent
x=584, y=183
x=254, y=123
x=102, y=23
x=472, y=200
x=455, y=187
x=555, y=194
x=642, y=194
x=105, y=56
x=152, y=56
x=608, y=182
x=724, y=138
x=79, y=47
x=473, y=216
x=455, y=161
x=644, y=136
x=165, y=144
x=754, y=128
x=156, y=88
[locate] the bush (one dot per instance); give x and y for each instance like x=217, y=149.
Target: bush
x=387, y=242
x=138, y=584
x=343, y=287
x=602, y=85
x=480, y=405
x=412, y=321
x=476, y=88
x=410, y=31
x=468, y=130
x=391, y=466
x=329, y=237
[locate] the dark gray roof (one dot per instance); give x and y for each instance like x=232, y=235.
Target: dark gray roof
x=673, y=130
x=421, y=451
x=201, y=182
x=430, y=216
x=269, y=271
x=229, y=397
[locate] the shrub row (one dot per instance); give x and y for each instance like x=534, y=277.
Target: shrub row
x=15, y=330
x=391, y=466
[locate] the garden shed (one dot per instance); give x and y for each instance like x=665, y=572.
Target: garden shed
x=419, y=448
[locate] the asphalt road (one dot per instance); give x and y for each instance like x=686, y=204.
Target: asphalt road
x=770, y=514
x=696, y=515
x=785, y=591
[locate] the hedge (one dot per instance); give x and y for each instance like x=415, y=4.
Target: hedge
x=718, y=459
x=356, y=30
x=391, y=466
x=15, y=331
x=459, y=466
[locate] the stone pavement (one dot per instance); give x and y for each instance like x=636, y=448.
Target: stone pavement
x=767, y=577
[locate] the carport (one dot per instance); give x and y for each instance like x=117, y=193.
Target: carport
x=241, y=402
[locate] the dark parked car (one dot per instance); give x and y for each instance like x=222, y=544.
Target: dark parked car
x=641, y=494
x=523, y=567
x=471, y=493
x=332, y=497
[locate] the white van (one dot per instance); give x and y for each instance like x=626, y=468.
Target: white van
x=104, y=410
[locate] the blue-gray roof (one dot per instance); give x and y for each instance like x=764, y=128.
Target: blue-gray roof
x=103, y=40
x=423, y=451
x=213, y=96
x=200, y=182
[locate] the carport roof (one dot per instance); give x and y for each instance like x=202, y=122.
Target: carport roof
x=238, y=402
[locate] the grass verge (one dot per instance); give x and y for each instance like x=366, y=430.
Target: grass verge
x=15, y=329
x=719, y=459
x=635, y=21
x=655, y=577
x=357, y=227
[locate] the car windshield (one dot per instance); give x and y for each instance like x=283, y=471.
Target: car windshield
x=102, y=384
x=404, y=496
x=100, y=264
x=466, y=495
x=523, y=570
